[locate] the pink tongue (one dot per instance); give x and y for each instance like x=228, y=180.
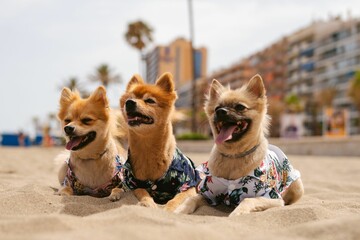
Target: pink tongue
x=225, y=134
x=73, y=143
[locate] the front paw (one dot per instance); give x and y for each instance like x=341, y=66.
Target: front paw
x=116, y=194
x=186, y=207
x=239, y=211
x=147, y=202
x=65, y=191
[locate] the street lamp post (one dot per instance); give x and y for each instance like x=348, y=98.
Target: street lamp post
x=193, y=80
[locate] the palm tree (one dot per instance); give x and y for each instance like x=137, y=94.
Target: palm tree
x=354, y=92
x=139, y=35
x=275, y=110
x=74, y=84
x=37, y=125
x=104, y=75
x=294, y=103
x=326, y=96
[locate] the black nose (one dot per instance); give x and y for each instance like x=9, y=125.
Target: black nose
x=130, y=105
x=69, y=130
x=221, y=112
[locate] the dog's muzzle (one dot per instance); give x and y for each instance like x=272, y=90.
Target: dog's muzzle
x=130, y=105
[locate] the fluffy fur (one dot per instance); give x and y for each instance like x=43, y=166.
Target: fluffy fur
x=92, y=157
x=151, y=140
x=248, y=104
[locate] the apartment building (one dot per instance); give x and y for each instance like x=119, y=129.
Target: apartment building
x=177, y=59
x=324, y=55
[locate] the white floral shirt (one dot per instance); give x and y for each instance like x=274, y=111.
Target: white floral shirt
x=270, y=179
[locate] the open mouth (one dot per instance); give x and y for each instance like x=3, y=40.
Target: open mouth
x=136, y=119
x=231, y=131
x=78, y=142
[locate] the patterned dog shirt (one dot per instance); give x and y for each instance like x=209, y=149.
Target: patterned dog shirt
x=180, y=176
x=270, y=179
x=101, y=191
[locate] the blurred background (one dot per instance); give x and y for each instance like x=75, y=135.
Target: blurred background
x=308, y=53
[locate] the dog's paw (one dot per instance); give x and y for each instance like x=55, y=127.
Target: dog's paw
x=116, y=194
x=186, y=207
x=147, y=202
x=239, y=212
x=171, y=206
x=65, y=191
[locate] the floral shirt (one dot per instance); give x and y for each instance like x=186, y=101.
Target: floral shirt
x=180, y=176
x=101, y=191
x=270, y=179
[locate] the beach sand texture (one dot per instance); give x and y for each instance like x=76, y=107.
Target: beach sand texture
x=330, y=208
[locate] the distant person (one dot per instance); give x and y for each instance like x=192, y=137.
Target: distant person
x=21, y=139
x=47, y=140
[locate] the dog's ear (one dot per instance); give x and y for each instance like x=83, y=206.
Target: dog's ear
x=256, y=86
x=67, y=96
x=166, y=82
x=99, y=95
x=215, y=89
x=136, y=79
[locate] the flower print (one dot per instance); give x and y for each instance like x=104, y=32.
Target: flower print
x=272, y=183
x=273, y=194
x=263, y=178
x=284, y=177
x=257, y=172
x=245, y=181
x=184, y=187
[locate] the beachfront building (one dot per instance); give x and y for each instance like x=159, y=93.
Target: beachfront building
x=338, y=59
x=321, y=56
x=176, y=58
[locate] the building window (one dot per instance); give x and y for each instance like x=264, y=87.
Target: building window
x=328, y=54
x=198, y=64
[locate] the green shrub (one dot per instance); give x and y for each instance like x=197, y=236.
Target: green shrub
x=192, y=136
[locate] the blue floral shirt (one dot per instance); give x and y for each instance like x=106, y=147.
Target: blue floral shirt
x=270, y=179
x=180, y=176
x=101, y=191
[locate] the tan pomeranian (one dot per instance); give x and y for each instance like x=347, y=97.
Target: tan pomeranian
x=96, y=138
x=243, y=169
x=156, y=170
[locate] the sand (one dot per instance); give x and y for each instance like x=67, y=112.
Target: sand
x=330, y=208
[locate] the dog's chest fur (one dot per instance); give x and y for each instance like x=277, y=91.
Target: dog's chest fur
x=234, y=168
x=151, y=157
x=94, y=173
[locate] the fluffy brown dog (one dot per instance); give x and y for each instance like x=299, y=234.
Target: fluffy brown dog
x=243, y=169
x=156, y=170
x=96, y=139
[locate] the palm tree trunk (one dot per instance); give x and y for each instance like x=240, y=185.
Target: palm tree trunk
x=142, y=69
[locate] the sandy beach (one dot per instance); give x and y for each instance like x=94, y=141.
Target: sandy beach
x=330, y=208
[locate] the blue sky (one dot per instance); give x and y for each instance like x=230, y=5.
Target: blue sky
x=45, y=42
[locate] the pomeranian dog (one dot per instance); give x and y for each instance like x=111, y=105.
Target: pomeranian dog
x=155, y=170
x=96, y=138
x=243, y=169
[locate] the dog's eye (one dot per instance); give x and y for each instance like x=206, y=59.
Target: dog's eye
x=67, y=121
x=240, y=107
x=149, y=100
x=86, y=121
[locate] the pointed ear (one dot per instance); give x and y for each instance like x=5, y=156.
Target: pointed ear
x=99, y=95
x=256, y=86
x=215, y=89
x=166, y=82
x=136, y=79
x=66, y=96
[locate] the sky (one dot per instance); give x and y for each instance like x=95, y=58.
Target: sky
x=43, y=43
